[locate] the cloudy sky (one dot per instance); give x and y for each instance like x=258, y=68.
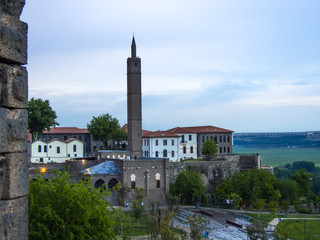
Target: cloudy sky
x=244, y=65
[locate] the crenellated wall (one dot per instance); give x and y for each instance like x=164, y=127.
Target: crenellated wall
x=13, y=122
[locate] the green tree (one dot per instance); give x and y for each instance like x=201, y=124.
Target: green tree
x=289, y=190
x=165, y=229
x=189, y=185
x=235, y=200
x=302, y=178
x=63, y=209
x=118, y=135
x=250, y=185
x=197, y=226
x=137, y=204
x=256, y=231
x=40, y=117
x=104, y=128
x=209, y=148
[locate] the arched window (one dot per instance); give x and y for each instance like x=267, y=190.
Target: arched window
x=184, y=149
x=45, y=148
x=39, y=148
x=100, y=184
x=182, y=138
x=158, y=180
x=165, y=153
x=74, y=148
x=113, y=182
x=133, y=181
x=157, y=154
x=191, y=149
x=172, y=153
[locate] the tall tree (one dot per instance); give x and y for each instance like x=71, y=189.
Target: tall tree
x=41, y=117
x=189, y=185
x=209, y=148
x=303, y=179
x=104, y=128
x=64, y=209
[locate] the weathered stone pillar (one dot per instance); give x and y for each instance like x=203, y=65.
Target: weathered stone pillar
x=13, y=122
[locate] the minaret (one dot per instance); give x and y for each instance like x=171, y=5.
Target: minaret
x=134, y=103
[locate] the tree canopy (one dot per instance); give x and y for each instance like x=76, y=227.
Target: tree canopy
x=63, y=209
x=104, y=128
x=189, y=185
x=41, y=117
x=209, y=148
x=251, y=185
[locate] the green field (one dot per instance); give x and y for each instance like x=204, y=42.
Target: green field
x=299, y=229
x=280, y=156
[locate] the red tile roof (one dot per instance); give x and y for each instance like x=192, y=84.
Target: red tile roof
x=67, y=130
x=125, y=128
x=159, y=134
x=70, y=140
x=180, y=130
x=207, y=129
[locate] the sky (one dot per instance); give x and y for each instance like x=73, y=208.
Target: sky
x=247, y=66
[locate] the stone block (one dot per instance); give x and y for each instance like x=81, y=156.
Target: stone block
x=12, y=7
x=14, y=174
x=14, y=219
x=13, y=86
x=13, y=39
x=13, y=130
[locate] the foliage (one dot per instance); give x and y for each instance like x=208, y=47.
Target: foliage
x=40, y=117
x=256, y=231
x=235, y=200
x=250, y=185
x=137, y=204
x=154, y=219
x=285, y=204
x=172, y=202
x=104, y=128
x=197, y=226
x=188, y=185
x=289, y=190
x=209, y=148
x=118, y=135
x=302, y=178
x=165, y=227
x=260, y=204
x=63, y=209
x=273, y=206
x=308, y=166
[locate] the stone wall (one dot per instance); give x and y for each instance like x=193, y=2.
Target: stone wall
x=13, y=122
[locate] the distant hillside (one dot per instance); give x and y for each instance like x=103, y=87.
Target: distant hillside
x=278, y=140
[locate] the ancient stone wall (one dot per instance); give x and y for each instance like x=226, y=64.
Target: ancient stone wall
x=13, y=122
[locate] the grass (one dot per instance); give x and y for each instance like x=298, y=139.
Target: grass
x=130, y=225
x=281, y=156
x=296, y=229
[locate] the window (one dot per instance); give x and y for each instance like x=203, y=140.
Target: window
x=165, y=142
x=80, y=138
x=50, y=146
x=215, y=138
x=172, y=153
x=202, y=139
x=182, y=138
x=224, y=149
x=190, y=137
x=224, y=138
x=65, y=138
x=133, y=181
x=220, y=149
x=157, y=154
x=228, y=138
x=41, y=159
x=94, y=148
x=228, y=149
x=220, y=138
x=184, y=149
x=39, y=148
x=158, y=180
x=58, y=149
x=45, y=148
x=191, y=149
x=172, y=142
x=75, y=155
x=165, y=153
x=68, y=155
x=74, y=148
x=100, y=184
x=157, y=142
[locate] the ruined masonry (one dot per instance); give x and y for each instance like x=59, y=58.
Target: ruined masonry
x=13, y=122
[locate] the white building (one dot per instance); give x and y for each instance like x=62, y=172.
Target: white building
x=188, y=142
x=161, y=144
x=55, y=150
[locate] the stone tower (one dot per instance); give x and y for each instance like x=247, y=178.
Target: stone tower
x=134, y=103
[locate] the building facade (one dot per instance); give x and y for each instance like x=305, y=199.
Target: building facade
x=56, y=150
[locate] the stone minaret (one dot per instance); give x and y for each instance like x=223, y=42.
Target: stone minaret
x=134, y=103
